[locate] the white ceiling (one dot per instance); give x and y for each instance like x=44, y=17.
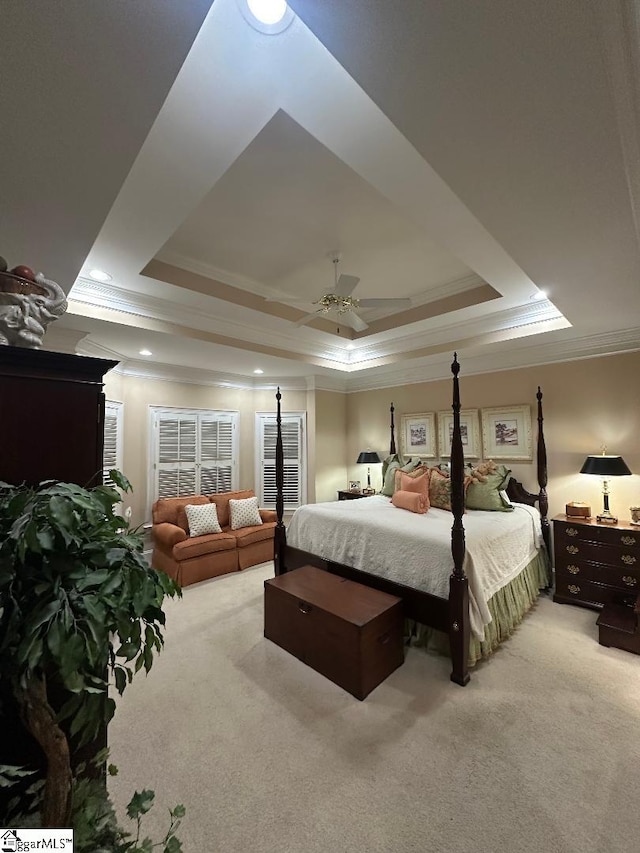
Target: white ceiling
x=453, y=154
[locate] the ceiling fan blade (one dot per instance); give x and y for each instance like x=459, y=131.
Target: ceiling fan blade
x=384, y=303
x=307, y=318
x=346, y=285
x=352, y=319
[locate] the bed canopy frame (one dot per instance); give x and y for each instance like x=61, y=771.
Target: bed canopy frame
x=451, y=614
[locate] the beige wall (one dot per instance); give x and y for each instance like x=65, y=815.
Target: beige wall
x=138, y=394
x=331, y=444
x=586, y=403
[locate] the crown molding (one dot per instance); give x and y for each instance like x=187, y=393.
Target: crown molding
x=184, y=262
x=475, y=360
x=115, y=298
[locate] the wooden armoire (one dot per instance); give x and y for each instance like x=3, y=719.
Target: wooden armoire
x=51, y=427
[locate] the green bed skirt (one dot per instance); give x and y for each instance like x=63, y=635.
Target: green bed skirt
x=507, y=607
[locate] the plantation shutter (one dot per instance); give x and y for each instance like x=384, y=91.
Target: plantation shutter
x=216, y=454
x=176, y=455
x=192, y=452
x=112, y=450
x=292, y=447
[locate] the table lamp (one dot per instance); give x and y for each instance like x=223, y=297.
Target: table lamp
x=368, y=457
x=606, y=466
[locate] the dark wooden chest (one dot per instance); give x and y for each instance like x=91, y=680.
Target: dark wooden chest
x=596, y=564
x=346, y=631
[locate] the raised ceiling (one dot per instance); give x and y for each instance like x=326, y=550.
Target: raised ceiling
x=451, y=154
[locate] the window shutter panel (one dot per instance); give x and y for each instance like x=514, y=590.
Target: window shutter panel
x=176, y=466
x=216, y=455
x=110, y=452
x=292, y=454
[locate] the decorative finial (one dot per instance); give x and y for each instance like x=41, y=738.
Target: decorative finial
x=455, y=367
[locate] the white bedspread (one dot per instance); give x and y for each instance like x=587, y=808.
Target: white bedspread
x=376, y=537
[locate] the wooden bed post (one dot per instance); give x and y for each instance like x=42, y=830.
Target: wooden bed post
x=543, y=502
x=280, y=533
x=458, y=582
x=392, y=441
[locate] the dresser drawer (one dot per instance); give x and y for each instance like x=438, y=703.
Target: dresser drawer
x=602, y=535
x=572, y=590
x=609, y=555
x=617, y=576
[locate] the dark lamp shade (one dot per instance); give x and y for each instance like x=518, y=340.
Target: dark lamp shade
x=368, y=457
x=605, y=466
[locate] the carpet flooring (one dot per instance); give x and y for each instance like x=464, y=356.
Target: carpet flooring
x=540, y=752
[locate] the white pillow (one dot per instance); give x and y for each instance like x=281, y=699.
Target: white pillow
x=244, y=513
x=202, y=518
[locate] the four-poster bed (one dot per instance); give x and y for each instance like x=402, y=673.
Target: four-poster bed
x=449, y=610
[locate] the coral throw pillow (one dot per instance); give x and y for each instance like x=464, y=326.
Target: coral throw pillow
x=413, y=501
x=244, y=513
x=418, y=483
x=202, y=519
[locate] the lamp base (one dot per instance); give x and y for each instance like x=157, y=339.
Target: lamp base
x=607, y=518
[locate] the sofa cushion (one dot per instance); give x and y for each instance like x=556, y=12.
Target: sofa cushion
x=244, y=513
x=172, y=510
x=249, y=535
x=200, y=545
x=221, y=500
x=203, y=519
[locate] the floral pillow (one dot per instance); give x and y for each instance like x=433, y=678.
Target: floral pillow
x=440, y=489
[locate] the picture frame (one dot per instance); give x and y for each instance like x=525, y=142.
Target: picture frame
x=354, y=486
x=506, y=433
x=418, y=435
x=469, y=430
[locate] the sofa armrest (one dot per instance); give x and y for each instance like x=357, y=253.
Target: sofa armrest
x=167, y=534
x=268, y=514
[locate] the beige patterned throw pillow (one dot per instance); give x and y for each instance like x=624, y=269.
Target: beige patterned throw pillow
x=244, y=513
x=202, y=519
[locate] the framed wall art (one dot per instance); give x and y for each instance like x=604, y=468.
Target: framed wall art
x=506, y=433
x=469, y=432
x=418, y=435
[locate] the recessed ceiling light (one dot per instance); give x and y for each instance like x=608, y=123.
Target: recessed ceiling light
x=351, y=346
x=145, y=352
x=99, y=275
x=267, y=16
x=540, y=294
x=257, y=370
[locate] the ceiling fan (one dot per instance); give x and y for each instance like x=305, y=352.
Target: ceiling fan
x=341, y=302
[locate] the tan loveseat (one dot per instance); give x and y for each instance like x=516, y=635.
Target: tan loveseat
x=189, y=559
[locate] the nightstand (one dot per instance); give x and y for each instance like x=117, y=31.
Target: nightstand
x=352, y=496
x=596, y=564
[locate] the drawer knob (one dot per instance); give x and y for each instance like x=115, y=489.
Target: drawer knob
x=573, y=569
x=304, y=607
x=629, y=580
x=573, y=589
x=628, y=559
x=628, y=540
x=571, y=531
x=572, y=549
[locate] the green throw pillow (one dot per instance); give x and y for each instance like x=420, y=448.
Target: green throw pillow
x=487, y=495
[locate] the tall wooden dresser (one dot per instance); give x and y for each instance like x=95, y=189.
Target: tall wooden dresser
x=596, y=564
x=51, y=427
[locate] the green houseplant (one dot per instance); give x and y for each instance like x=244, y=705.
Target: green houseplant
x=79, y=606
